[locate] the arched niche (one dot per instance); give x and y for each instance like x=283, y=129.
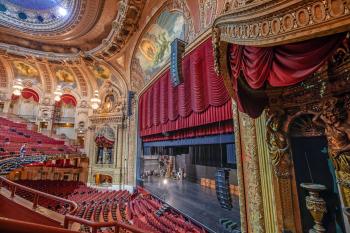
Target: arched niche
x=105, y=140
x=102, y=179
x=299, y=150
x=112, y=99
x=26, y=105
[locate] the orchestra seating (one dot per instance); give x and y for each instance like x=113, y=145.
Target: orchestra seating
x=10, y=164
x=138, y=209
x=13, y=135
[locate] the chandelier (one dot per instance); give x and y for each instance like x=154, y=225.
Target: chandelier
x=95, y=101
x=58, y=93
x=17, y=87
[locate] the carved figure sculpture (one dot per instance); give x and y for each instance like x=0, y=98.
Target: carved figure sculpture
x=334, y=118
x=278, y=145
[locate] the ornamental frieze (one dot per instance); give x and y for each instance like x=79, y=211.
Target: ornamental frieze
x=100, y=119
x=267, y=23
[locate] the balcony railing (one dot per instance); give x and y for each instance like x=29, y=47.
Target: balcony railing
x=11, y=226
x=118, y=226
x=14, y=187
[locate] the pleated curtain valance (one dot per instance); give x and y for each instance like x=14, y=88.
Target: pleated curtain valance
x=277, y=66
x=200, y=100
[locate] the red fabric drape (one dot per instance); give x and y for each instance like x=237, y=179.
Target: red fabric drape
x=200, y=131
x=103, y=141
x=68, y=100
x=283, y=65
x=27, y=93
x=201, y=99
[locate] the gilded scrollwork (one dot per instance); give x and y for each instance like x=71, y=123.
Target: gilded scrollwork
x=216, y=48
x=334, y=118
x=253, y=183
x=280, y=21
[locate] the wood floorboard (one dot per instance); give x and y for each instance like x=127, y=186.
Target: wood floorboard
x=195, y=201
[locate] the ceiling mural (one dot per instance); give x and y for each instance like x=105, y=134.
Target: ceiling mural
x=153, y=49
x=27, y=72
x=101, y=73
x=36, y=16
x=65, y=79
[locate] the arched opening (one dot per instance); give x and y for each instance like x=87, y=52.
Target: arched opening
x=104, y=142
x=66, y=109
x=103, y=180
x=26, y=105
x=309, y=144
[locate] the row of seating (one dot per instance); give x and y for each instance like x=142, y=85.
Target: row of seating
x=13, y=135
x=137, y=209
x=10, y=164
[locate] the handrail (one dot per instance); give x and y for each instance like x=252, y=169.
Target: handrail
x=73, y=208
x=17, y=226
x=96, y=225
x=14, y=186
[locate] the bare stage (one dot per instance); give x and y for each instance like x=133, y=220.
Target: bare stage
x=193, y=200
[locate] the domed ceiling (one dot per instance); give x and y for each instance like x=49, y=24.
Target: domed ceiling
x=37, y=16
x=65, y=28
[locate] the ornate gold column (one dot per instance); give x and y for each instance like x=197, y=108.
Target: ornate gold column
x=240, y=176
x=281, y=164
x=251, y=197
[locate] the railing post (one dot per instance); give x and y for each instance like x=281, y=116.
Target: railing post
x=13, y=191
x=116, y=228
x=35, y=201
x=94, y=229
x=66, y=223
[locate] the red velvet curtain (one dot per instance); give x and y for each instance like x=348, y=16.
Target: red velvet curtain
x=212, y=129
x=27, y=93
x=103, y=141
x=68, y=100
x=201, y=99
x=283, y=65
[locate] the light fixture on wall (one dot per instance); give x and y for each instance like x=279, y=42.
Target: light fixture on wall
x=95, y=101
x=58, y=93
x=17, y=87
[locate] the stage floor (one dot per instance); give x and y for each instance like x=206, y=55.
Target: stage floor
x=193, y=200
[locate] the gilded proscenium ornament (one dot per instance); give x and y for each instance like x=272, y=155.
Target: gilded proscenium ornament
x=252, y=174
x=316, y=205
x=278, y=144
x=274, y=22
x=221, y=60
x=334, y=118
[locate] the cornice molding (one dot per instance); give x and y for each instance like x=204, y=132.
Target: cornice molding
x=269, y=23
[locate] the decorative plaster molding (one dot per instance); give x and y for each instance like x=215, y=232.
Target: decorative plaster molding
x=268, y=23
